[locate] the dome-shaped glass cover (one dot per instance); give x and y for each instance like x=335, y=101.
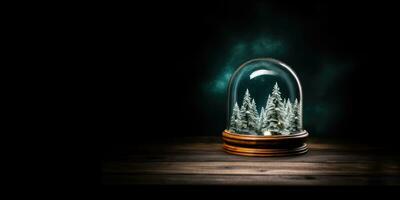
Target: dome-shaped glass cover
x=264, y=98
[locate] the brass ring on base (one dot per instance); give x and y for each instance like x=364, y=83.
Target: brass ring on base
x=275, y=145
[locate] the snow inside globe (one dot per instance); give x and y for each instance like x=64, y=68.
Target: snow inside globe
x=264, y=102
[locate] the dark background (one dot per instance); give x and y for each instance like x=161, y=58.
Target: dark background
x=165, y=65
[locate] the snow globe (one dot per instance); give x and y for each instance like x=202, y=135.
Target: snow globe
x=264, y=116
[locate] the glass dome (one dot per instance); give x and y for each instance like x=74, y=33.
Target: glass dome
x=264, y=99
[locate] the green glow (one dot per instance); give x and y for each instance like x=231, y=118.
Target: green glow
x=241, y=51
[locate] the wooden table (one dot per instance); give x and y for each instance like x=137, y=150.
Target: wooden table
x=201, y=161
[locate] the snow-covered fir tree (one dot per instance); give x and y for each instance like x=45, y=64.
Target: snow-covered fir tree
x=236, y=119
x=245, y=110
x=265, y=123
x=253, y=121
x=261, y=120
x=249, y=114
x=284, y=104
x=296, y=125
x=275, y=111
x=284, y=112
x=289, y=117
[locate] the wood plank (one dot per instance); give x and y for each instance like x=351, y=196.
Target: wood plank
x=201, y=161
x=197, y=147
x=217, y=154
x=311, y=157
x=257, y=180
x=252, y=168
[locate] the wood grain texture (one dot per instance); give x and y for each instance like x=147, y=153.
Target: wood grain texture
x=250, y=180
x=201, y=161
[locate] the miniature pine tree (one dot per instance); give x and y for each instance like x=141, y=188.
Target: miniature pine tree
x=275, y=111
x=264, y=122
x=245, y=111
x=284, y=104
x=236, y=121
x=296, y=124
x=284, y=111
x=289, y=117
x=261, y=120
x=253, y=120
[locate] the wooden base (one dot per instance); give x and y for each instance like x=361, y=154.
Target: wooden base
x=275, y=145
